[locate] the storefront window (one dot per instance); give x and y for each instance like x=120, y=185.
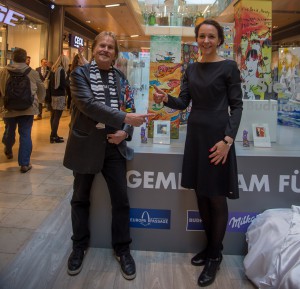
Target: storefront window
x=3, y=34
x=30, y=35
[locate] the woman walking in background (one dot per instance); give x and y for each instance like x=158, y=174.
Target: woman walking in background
x=58, y=95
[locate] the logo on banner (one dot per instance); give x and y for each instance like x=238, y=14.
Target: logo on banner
x=194, y=222
x=240, y=221
x=8, y=15
x=237, y=221
x=75, y=41
x=150, y=218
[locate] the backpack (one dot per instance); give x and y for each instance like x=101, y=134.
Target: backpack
x=18, y=95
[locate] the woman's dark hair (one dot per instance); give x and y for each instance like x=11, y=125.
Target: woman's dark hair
x=19, y=55
x=216, y=25
x=75, y=62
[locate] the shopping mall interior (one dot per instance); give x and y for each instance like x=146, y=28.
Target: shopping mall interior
x=35, y=220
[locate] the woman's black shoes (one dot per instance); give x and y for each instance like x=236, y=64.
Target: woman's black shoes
x=209, y=272
x=199, y=259
x=56, y=139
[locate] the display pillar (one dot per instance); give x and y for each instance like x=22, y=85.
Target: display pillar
x=165, y=73
x=56, y=32
x=253, y=47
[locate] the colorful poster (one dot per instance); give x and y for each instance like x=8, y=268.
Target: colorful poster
x=189, y=54
x=289, y=86
x=253, y=26
x=165, y=72
x=226, y=50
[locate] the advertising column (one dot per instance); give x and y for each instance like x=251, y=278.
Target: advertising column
x=253, y=28
x=165, y=72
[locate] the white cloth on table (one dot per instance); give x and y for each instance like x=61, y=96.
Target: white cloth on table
x=273, y=259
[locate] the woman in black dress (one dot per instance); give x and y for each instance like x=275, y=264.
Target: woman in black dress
x=209, y=164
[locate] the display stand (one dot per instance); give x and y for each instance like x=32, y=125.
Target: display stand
x=258, y=111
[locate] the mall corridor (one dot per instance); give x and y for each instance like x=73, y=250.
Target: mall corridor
x=35, y=230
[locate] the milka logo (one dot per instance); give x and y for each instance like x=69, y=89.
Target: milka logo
x=240, y=221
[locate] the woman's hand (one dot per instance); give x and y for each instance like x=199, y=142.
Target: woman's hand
x=219, y=152
x=159, y=95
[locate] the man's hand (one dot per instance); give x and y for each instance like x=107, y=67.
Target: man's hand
x=136, y=119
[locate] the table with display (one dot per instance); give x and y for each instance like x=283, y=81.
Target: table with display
x=164, y=215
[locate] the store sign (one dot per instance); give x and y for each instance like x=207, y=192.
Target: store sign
x=8, y=15
x=75, y=41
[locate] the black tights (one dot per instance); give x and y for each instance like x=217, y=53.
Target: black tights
x=214, y=215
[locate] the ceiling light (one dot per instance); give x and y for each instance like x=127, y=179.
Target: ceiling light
x=134, y=35
x=112, y=5
x=88, y=21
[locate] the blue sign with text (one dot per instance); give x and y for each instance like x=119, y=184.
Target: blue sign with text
x=237, y=221
x=150, y=219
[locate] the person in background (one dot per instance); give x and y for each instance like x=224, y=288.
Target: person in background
x=99, y=130
x=68, y=89
x=209, y=165
x=76, y=62
x=21, y=118
x=44, y=73
x=28, y=58
x=58, y=95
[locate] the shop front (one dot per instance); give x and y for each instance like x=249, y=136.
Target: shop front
x=20, y=29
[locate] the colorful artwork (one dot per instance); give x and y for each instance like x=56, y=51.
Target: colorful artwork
x=226, y=50
x=165, y=72
x=253, y=25
x=288, y=87
x=189, y=54
x=170, y=83
x=165, y=49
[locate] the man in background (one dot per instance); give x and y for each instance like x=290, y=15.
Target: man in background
x=21, y=118
x=28, y=60
x=44, y=72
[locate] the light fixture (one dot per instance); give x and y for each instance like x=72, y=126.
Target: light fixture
x=134, y=35
x=112, y=5
x=34, y=26
x=30, y=25
x=88, y=21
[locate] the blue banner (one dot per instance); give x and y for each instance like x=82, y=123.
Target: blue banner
x=150, y=219
x=237, y=221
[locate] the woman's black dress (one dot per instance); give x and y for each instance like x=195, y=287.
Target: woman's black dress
x=215, y=91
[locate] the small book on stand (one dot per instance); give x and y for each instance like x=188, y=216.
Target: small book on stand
x=261, y=135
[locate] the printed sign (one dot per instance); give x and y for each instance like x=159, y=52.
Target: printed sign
x=237, y=221
x=150, y=218
x=8, y=15
x=75, y=41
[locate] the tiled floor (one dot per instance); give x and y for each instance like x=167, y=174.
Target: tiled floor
x=27, y=199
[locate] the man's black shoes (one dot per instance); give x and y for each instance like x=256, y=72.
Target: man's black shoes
x=75, y=261
x=127, y=266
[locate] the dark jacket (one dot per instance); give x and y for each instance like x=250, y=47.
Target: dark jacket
x=61, y=90
x=39, y=70
x=85, y=150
